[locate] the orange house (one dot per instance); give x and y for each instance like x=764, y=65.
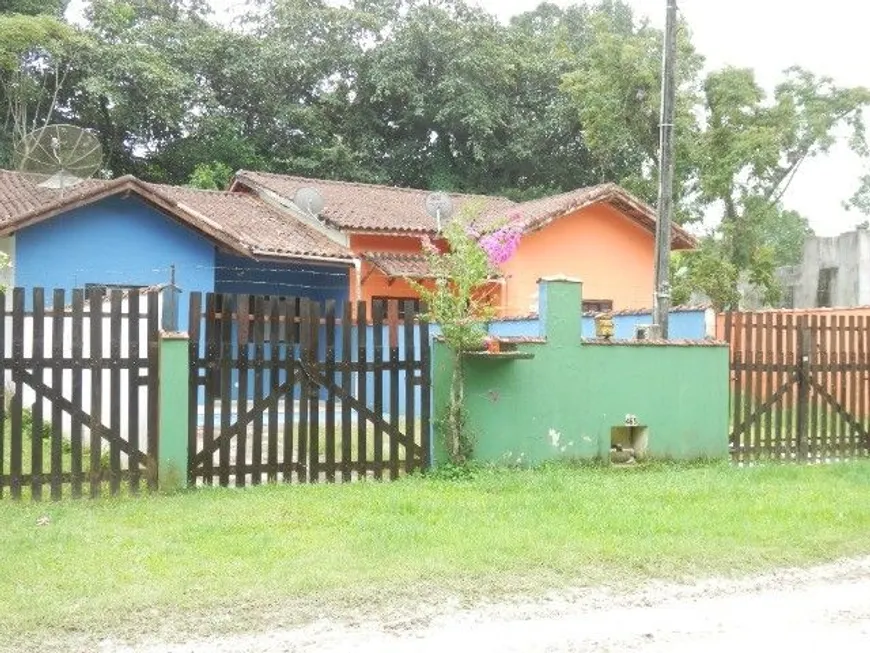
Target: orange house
x=601, y=235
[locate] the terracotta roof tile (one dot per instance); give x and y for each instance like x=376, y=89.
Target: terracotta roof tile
x=537, y=340
x=536, y=214
x=707, y=342
x=242, y=223
x=20, y=194
x=413, y=266
x=256, y=224
x=369, y=207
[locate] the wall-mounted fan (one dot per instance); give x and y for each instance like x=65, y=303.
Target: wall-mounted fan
x=58, y=156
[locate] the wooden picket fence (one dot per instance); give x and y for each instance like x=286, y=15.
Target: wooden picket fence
x=294, y=395
x=800, y=385
x=78, y=402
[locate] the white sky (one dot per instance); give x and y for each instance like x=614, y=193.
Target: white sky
x=769, y=36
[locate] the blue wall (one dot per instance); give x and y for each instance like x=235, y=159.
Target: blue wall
x=117, y=241
x=234, y=274
x=682, y=325
x=320, y=283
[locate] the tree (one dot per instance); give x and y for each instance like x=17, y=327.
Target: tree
x=616, y=91
x=737, y=150
x=136, y=87
x=211, y=176
x=36, y=56
x=751, y=150
x=53, y=8
x=460, y=307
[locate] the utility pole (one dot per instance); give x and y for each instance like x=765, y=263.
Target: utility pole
x=662, y=299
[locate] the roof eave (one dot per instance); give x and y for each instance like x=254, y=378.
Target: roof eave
x=115, y=187
x=377, y=231
x=310, y=258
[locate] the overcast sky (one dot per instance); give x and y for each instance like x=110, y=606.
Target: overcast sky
x=768, y=35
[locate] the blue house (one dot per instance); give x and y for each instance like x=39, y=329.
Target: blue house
x=128, y=233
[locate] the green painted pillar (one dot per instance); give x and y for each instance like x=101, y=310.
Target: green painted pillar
x=174, y=387
x=560, y=309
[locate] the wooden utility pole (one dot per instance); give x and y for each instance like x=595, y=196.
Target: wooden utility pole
x=662, y=299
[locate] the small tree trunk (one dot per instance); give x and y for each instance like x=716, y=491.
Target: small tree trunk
x=457, y=402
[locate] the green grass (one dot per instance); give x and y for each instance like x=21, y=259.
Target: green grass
x=27, y=455
x=132, y=565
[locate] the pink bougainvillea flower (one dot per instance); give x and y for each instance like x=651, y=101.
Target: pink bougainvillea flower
x=502, y=244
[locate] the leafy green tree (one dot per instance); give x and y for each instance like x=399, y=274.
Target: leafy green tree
x=737, y=150
x=616, y=90
x=37, y=55
x=751, y=150
x=54, y=8
x=211, y=176
x=137, y=89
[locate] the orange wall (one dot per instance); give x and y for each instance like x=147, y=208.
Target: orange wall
x=376, y=284
x=609, y=253
x=378, y=243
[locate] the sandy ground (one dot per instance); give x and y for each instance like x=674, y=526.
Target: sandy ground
x=822, y=608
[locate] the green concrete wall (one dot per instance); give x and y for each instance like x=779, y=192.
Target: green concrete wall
x=173, y=406
x=564, y=402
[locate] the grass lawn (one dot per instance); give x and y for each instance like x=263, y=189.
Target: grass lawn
x=133, y=565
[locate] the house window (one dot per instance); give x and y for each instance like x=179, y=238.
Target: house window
x=825, y=291
x=382, y=300
x=788, y=297
x=597, y=305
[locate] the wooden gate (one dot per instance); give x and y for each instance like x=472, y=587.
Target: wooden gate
x=279, y=392
x=78, y=402
x=800, y=386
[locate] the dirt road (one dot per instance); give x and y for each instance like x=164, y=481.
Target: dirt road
x=823, y=608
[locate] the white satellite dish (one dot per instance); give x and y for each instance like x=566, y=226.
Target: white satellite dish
x=309, y=200
x=58, y=156
x=439, y=206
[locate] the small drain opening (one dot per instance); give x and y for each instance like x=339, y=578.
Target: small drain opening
x=628, y=444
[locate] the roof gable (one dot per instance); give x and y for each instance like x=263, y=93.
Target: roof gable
x=356, y=207
x=242, y=224
x=537, y=214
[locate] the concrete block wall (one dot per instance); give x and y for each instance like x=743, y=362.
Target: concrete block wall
x=575, y=396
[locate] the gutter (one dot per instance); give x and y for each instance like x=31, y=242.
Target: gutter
x=330, y=260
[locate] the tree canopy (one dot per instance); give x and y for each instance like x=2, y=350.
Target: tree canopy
x=434, y=94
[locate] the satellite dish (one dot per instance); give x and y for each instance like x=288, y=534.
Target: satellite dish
x=439, y=206
x=58, y=156
x=309, y=200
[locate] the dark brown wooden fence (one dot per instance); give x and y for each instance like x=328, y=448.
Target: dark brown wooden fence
x=78, y=406
x=800, y=385
x=286, y=389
